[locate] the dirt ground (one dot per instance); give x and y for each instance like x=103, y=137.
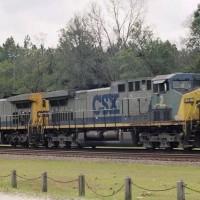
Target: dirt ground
x=6, y=196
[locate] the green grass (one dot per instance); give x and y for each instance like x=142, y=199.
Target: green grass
x=103, y=177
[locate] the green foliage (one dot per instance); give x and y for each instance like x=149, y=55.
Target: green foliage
x=81, y=63
x=159, y=57
x=35, y=68
x=6, y=78
x=83, y=59
x=76, y=48
x=193, y=43
x=194, y=40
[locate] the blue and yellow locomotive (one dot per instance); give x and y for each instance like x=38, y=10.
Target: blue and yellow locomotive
x=159, y=112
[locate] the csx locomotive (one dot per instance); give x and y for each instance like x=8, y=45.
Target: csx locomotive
x=159, y=112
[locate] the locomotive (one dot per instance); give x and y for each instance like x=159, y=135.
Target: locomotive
x=158, y=112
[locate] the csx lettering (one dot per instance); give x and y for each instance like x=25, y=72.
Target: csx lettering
x=105, y=104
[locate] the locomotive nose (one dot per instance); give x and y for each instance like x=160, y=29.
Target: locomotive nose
x=189, y=109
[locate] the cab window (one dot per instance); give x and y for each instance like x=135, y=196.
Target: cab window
x=148, y=84
x=161, y=87
x=130, y=86
x=137, y=85
x=182, y=84
x=121, y=88
x=196, y=82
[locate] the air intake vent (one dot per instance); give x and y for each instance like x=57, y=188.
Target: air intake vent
x=166, y=115
x=162, y=115
x=157, y=115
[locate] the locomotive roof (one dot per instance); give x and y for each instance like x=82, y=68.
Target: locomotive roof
x=22, y=97
x=92, y=90
x=129, y=80
x=164, y=77
x=58, y=94
x=161, y=78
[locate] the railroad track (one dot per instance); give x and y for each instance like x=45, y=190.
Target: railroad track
x=108, y=154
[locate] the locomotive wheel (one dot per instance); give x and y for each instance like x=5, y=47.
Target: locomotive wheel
x=56, y=145
x=68, y=145
x=13, y=145
x=25, y=144
x=187, y=149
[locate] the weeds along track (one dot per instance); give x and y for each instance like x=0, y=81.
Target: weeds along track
x=119, y=154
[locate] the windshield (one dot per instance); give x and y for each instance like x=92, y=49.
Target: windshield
x=182, y=84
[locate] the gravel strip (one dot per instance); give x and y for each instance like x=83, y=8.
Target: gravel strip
x=21, y=196
x=142, y=161
x=10, y=196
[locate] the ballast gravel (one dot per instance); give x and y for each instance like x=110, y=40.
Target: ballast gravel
x=19, y=196
x=136, y=160
x=9, y=196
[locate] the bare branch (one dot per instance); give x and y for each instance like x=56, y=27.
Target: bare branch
x=122, y=17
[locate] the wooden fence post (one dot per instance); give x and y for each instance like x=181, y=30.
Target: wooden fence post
x=128, y=192
x=81, y=185
x=44, y=182
x=180, y=190
x=14, y=178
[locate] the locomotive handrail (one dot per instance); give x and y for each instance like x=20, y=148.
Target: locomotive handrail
x=16, y=115
x=188, y=113
x=75, y=111
x=193, y=114
x=138, y=97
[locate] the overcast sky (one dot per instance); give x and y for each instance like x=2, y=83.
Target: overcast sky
x=19, y=18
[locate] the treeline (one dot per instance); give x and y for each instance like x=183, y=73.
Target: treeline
x=94, y=50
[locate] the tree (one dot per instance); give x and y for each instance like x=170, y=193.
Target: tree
x=122, y=15
x=193, y=41
x=6, y=79
x=79, y=54
x=9, y=50
x=9, y=53
x=34, y=68
x=159, y=57
x=194, y=38
x=112, y=27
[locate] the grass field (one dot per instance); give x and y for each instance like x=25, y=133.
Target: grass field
x=103, y=177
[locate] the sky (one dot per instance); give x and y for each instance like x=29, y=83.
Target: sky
x=36, y=18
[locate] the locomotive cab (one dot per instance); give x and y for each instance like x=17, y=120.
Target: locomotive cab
x=175, y=110
x=168, y=91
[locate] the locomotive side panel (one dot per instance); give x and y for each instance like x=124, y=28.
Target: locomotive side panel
x=7, y=114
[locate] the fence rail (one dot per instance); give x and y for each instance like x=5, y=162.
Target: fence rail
x=83, y=184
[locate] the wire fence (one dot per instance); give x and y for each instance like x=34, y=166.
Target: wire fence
x=151, y=190
x=5, y=176
x=82, y=184
x=62, y=182
x=193, y=190
x=29, y=179
x=101, y=195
